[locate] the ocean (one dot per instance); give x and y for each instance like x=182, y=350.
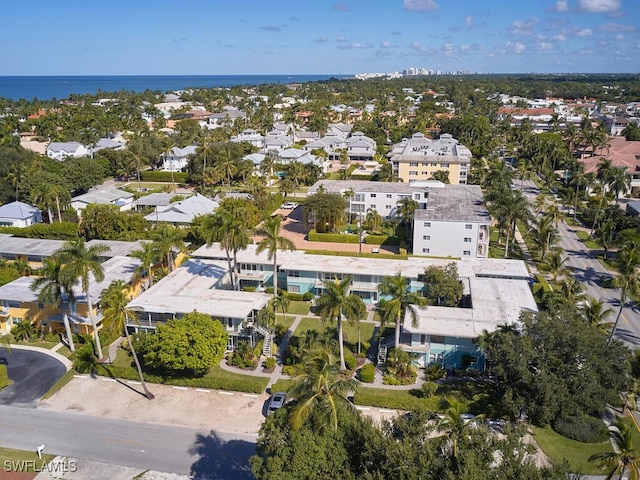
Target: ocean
x=60, y=87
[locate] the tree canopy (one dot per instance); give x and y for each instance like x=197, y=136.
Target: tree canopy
x=193, y=343
x=442, y=285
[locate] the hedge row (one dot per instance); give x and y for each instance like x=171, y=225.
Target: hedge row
x=388, y=256
x=153, y=176
x=333, y=237
x=241, y=383
x=50, y=231
x=382, y=240
x=397, y=400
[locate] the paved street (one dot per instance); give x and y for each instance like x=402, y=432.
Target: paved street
x=201, y=453
x=590, y=272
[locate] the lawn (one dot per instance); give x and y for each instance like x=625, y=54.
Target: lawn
x=286, y=320
x=41, y=344
x=559, y=448
x=299, y=308
x=349, y=330
x=64, y=351
x=8, y=455
x=216, y=378
x=282, y=385
x=587, y=240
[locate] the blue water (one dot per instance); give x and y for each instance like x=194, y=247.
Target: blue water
x=59, y=87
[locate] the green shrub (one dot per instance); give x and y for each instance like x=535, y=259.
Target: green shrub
x=248, y=289
x=389, y=256
x=307, y=296
x=581, y=428
x=350, y=362
x=295, y=297
x=269, y=363
x=333, y=237
x=429, y=389
x=51, y=231
x=402, y=251
x=434, y=372
x=382, y=240
x=368, y=373
x=399, y=400
x=290, y=370
x=4, y=376
x=156, y=176
x=51, y=337
x=257, y=350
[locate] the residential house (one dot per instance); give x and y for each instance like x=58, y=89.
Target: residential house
x=454, y=223
x=62, y=150
x=177, y=158
x=226, y=118
x=200, y=285
x=19, y=214
x=32, y=250
x=106, y=144
x=623, y=154
x=251, y=137
x=183, y=212
x=360, y=148
x=111, y=196
x=20, y=303
x=418, y=158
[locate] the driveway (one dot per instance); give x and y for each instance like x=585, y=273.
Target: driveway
x=32, y=373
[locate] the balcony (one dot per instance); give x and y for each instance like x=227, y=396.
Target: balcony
x=252, y=275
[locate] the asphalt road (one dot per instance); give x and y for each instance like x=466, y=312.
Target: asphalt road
x=200, y=453
x=590, y=272
x=33, y=373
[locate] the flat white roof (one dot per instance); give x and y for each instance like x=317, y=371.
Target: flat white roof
x=414, y=266
x=495, y=302
x=192, y=286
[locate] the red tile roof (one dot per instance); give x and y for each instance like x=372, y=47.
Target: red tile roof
x=622, y=154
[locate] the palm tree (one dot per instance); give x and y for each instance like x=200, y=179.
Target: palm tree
x=401, y=299
x=52, y=287
x=116, y=315
x=556, y=265
x=15, y=175
x=441, y=176
x=337, y=302
x=373, y=219
x=624, y=458
x=80, y=263
x=214, y=228
x=44, y=196
x=524, y=171
x=627, y=281
x=619, y=181
x=544, y=234
x=281, y=302
x=226, y=164
x=406, y=208
x=595, y=311
x=165, y=238
x=508, y=208
x=149, y=257
x=455, y=424
x=271, y=242
x=319, y=394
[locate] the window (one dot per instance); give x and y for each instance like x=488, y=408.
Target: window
x=357, y=208
x=372, y=206
x=466, y=252
x=436, y=338
x=41, y=306
x=416, y=196
x=444, y=165
x=426, y=237
x=426, y=224
x=373, y=195
x=413, y=172
x=468, y=226
x=425, y=173
x=467, y=239
x=424, y=164
x=388, y=207
x=413, y=164
x=425, y=250
x=11, y=304
x=388, y=195
x=293, y=288
x=359, y=197
x=294, y=273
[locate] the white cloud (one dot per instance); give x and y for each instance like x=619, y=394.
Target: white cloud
x=583, y=32
x=421, y=5
x=516, y=47
x=468, y=21
x=420, y=47
x=620, y=37
x=520, y=27
x=616, y=27
x=385, y=44
x=562, y=6
x=560, y=38
x=321, y=40
x=341, y=39
x=599, y=6
x=544, y=46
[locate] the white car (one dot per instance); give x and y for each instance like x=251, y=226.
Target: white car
x=289, y=206
x=277, y=401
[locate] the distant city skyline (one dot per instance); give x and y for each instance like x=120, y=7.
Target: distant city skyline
x=254, y=37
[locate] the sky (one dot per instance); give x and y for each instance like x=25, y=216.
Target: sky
x=258, y=37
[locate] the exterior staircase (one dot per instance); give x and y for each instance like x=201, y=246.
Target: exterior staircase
x=267, y=346
x=382, y=354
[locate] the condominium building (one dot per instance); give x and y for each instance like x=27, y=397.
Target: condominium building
x=418, y=158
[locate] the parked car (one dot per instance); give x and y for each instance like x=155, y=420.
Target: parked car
x=277, y=401
x=289, y=206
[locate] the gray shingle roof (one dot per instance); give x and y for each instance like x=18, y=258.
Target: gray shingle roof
x=17, y=210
